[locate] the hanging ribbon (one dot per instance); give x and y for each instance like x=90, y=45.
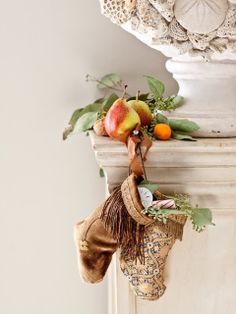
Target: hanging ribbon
x=136, y=142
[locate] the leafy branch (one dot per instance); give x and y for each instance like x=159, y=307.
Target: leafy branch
x=200, y=217
x=110, y=81
x=157, y=101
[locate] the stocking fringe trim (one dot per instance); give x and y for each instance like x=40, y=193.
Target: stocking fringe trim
x=124, y=229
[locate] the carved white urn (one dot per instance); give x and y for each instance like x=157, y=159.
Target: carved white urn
x=200, y=38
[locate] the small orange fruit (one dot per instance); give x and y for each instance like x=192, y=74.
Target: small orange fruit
x=162, y=131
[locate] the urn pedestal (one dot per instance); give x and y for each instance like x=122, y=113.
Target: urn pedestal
x=209, y=91
x=201, y=272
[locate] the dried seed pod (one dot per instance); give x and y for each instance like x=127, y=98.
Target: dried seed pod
x=177, y=31
x=130, y=4
x=118, y=11
x=147, y=14
x=228, y=29
x=165, y=8
x=201, y=41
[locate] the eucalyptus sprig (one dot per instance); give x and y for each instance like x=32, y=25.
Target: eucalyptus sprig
x=200, y=217
x=157, y=100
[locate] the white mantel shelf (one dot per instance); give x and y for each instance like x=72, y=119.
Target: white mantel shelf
x=206, y=169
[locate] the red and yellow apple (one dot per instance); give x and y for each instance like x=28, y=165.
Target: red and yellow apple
x=120, y=120
x=142, y=110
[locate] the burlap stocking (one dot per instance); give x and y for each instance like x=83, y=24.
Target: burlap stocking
x=147, y=280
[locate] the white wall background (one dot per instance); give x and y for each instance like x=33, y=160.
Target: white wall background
x=46, y=49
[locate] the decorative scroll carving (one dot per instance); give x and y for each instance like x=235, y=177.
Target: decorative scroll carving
x=196, y=27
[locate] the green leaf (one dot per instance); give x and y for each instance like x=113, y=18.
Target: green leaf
x=95, y=107
x=85, y=122
x=183, y=125
x=183, y=137
x=110, y=101
x=75, y=116
x=101, y=173
x=67, y=132
x=177, y=100
x=99, y=100
x=142, y=97
x=151, y=186
x=156, y=87
x=169, y=212
x=109, y=80
x=160, y=118
x=201, y=217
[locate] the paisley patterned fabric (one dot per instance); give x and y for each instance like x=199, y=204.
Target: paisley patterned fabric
x=147, y=280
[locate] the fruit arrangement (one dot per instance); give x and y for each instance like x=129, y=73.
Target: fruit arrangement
x=122, y=118
x=117, y=116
